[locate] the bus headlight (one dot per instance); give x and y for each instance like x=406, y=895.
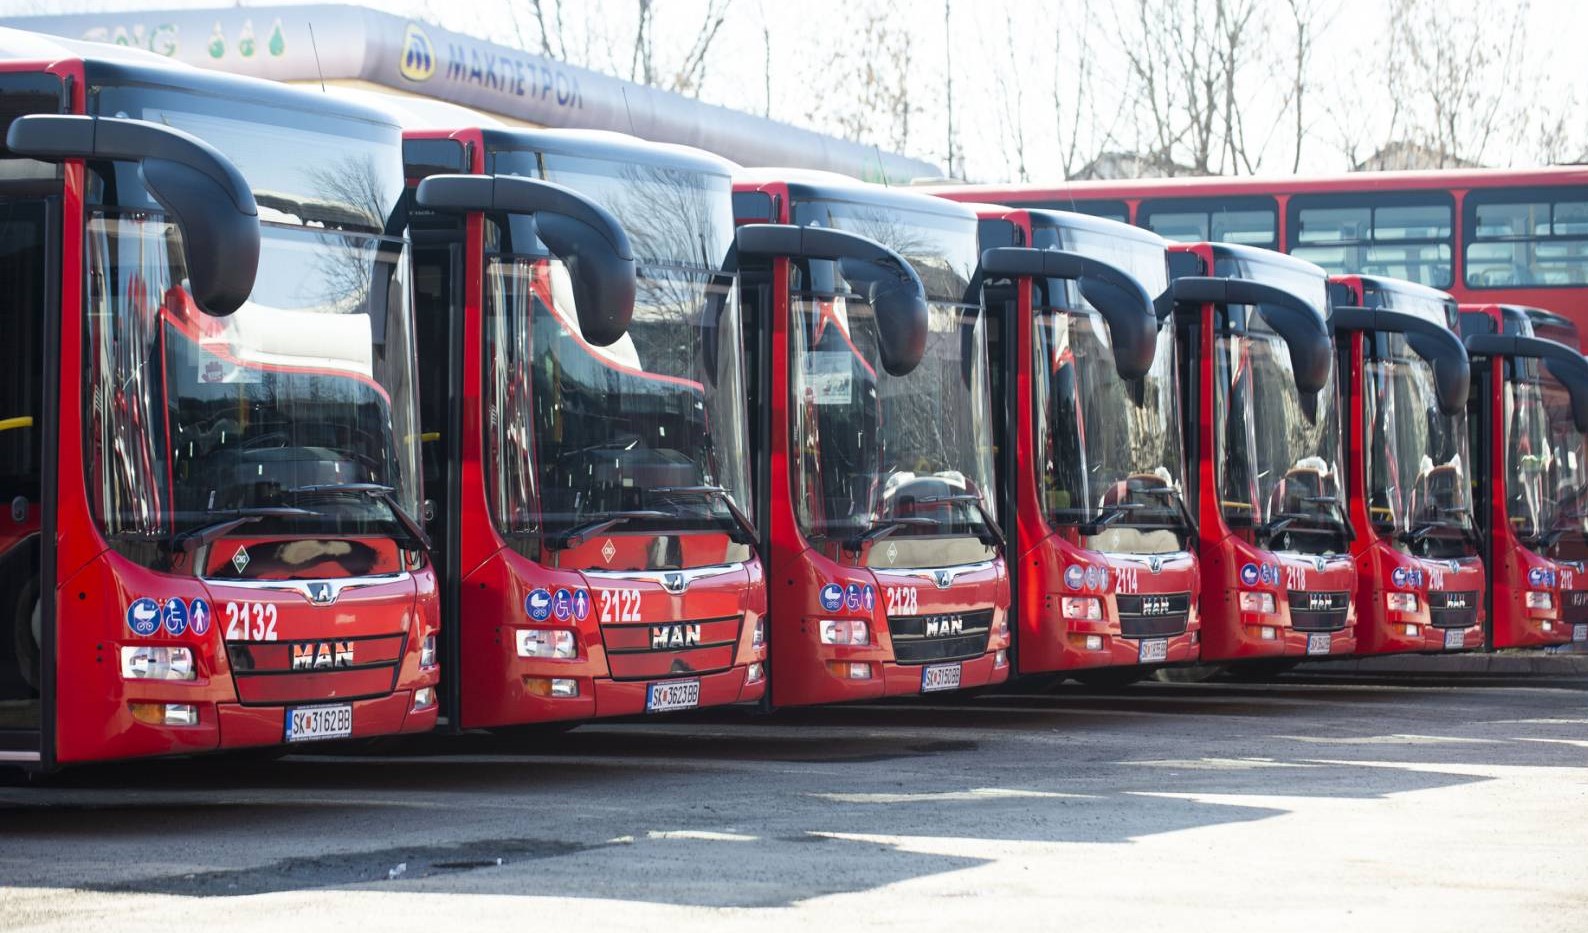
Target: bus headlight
x=1081, y=607
x=758, y=639
x=1260, y=603
x=1539, y=599
x=427, y=653
x=547, y=643
x=1400, y=602
x=157, y=662
x=845, y=632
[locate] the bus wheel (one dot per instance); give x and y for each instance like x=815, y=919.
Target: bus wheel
x=26, y=630
x=1109, y=678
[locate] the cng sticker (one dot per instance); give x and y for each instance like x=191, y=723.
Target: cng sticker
x=143, y=617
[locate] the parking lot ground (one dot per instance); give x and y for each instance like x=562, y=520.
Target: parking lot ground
x=1309, y=803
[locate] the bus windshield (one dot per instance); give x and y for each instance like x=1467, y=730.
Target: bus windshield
x=1111, y=451
x=1532, y=505
x=1569, y=476
x=905, y=456
x=650, y=432
x=1277, y=451
x=1419, y=491
x=295, y=412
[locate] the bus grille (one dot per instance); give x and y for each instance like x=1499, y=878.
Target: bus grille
x=947, y=636
x=1314, y=611
x=272, y=673
x=648, y=651
x=1453, y=610
x=1153, y=615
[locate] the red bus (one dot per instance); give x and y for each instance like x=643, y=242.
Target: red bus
x=1569, y=458
x=1420, y=578
x=1264, y=437
x=885, y=558
x=585, y=401
x=1495, y=236
x=1521, y=513
x=213, y=474
x=1088, y=426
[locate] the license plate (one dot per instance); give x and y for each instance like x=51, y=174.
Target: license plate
x=940, y=677
x=1319, y=643
x=1579, y=631
x=1455, y=638
x=1153, y=649
x=313, y=723
x=672, y=694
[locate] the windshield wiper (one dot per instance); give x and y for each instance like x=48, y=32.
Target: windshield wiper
x=1173, y=495
x=579, y=534
x=1111, y=514
x=229, y=520
x=883, y=527
x=746, y=528
x=381, y=493
x=993, y=534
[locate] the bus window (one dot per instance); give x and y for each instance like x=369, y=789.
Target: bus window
x=1402, y=236
x=1534, y=237
x=1246, y=220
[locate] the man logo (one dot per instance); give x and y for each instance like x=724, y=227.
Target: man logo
x=419, y=56
x=944, y=626
x=1319, y=602
x=1319, y=564
x=943, y=578
x=322, y=593
x=1155, y=564
x=1155, y=606
x=667, y=637
x=674, y=582
x=321, y=655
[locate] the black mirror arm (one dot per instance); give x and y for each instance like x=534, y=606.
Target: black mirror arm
x=1297, y=322
x=1433, y=342
x=1565, y=364
x=513, y=194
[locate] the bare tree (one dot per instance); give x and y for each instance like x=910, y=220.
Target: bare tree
x=866, y=96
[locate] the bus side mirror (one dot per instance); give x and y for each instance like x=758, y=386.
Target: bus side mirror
x=205, y=194
x=583, y=234
x=1443, y=350
x=1117, y=295
x=1298, y=323
x=1564, y=363
x=892, y=287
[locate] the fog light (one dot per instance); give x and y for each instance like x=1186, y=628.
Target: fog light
x=1411, y=631
x=424, y=698
x=1081, y=607
x=849, y=670
x=1003, y=627
x=427, y=653
x=1537, y=599
x=558, y=687
x=1094, y=643
x=546, y=643
x=845, y=632
x=1196, y=638
x=156, y=662
x=1400, y=602
x=165, y=714
x=754, y=673
x=758, y=640
x=1548, y=626
x=1000, y=658
x=1268, y=633
x=1261, y=603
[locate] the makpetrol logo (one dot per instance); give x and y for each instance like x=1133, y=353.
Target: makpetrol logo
x=419, y=56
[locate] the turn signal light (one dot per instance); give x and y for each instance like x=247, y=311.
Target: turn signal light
x=554, y=687
x=165, y=714
x=1094, y=643
x=424, y=698
x=849, y=670
x=754, y=673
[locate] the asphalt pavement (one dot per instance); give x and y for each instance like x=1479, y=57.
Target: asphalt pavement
x=1316, y=802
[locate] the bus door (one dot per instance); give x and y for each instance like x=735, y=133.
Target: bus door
x=29, y=306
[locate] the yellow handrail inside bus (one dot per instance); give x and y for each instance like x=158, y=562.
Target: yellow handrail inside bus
x=11, y=424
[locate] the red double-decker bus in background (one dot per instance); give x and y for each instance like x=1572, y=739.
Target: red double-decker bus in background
x=1569, y=460
x=1264, y=437
x=213, y=474
x=585, y=413
x=1521, y=383
x=1089, y=432
x=1404, y=384
x=873, y=417
x=1493, y=236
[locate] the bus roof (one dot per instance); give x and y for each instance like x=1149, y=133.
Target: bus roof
x=609, y=146
x=1386, y=283
x=808, y=185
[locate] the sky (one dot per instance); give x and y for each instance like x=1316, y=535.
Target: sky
x=1004, y=64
